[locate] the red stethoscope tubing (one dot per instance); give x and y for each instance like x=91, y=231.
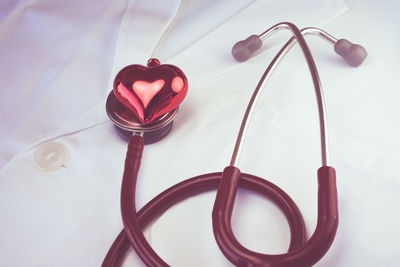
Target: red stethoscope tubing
x=300, y=252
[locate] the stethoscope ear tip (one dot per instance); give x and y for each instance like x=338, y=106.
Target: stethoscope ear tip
x=353, y=54
x=242, y=50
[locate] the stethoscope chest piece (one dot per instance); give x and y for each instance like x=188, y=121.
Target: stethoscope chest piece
x=127, y=123
x=145, y=99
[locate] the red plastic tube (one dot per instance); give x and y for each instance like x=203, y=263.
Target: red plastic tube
x=305, y=255
x=128, y=206
x=134, y=223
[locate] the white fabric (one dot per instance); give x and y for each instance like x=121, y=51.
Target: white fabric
x=58, y=62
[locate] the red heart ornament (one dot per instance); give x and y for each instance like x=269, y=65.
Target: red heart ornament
x=150, y=91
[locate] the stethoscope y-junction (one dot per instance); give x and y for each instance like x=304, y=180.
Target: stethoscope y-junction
x=143, y=104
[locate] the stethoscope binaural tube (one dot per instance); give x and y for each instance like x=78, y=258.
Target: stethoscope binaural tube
x=328, y=217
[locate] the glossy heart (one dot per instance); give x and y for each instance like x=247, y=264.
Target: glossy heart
x=150, y=92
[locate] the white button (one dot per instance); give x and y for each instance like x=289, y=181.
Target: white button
x=51, y=156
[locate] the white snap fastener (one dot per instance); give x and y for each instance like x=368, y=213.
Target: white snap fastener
x=51, y=156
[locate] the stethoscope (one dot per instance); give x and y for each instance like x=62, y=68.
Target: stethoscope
x=142, y=126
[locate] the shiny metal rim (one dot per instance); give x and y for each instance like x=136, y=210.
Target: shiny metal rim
x=136, y=126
